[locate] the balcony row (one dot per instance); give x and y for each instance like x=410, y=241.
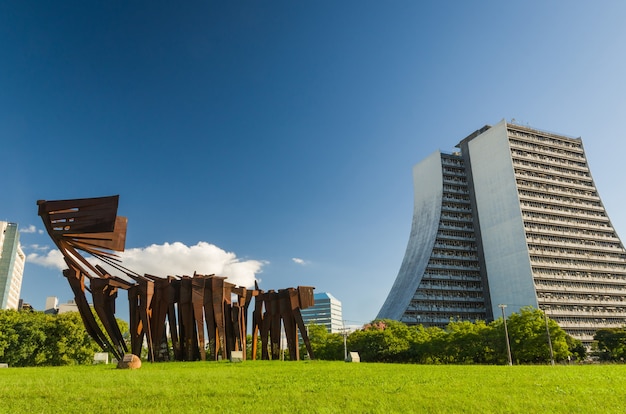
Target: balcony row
x=557, y=190
x=558, y=153
x=544, y=167
x=595, y=314
x=456, y=226
x=563, y=211
x=560, y=201
x=453, y=162
x=572, y=223
x=443, y=286
x=456, y=198
x=539, y=274
x=552, y=141
x=566, y=221
x=587, y=255
x=436, y=264
x=454, y=172
x=517, y=154
x=591, y=301
x=456, y=246
x=433, y=295
x=607, y=235
x=577, y=265
x=575, y=244
x=594, y=323
x=459, y=236
x=463, y=277
x=573, y=183
x=455, y=189
x=580, y=288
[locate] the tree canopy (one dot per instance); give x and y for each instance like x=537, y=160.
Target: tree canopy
x=611, y=344
x=37, y=339
x=461, y=342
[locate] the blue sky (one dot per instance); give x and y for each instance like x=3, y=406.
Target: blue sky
x=285, y=130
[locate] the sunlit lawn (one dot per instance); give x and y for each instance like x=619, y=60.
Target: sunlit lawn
x=313, y=387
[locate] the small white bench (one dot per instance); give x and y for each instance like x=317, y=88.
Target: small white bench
x=236, y=356
x=353, y=357
x=101, y=358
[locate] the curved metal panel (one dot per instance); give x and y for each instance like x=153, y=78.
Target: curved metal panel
x=428, y=187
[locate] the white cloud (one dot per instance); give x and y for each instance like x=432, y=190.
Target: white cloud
x=176, y=259
x=53, y=259
x=299, y=261
x=38, y=247
x=31, y=229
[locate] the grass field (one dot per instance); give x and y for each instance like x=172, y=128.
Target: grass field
x=314, y=387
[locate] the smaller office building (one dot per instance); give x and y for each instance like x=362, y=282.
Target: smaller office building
x=326, y=311
x=53, y=306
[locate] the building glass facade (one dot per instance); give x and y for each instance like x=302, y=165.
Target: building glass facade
x=326, y=311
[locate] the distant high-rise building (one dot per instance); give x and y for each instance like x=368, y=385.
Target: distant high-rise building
x=69, y=306
x=53, y=306
x=12, y=261
x=514, y=218
x=326, y=311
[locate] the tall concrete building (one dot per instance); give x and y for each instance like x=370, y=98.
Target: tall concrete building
x=326, y=311
x=513, y=218
x=12, y=261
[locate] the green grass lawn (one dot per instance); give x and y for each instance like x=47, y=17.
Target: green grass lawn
x=314, y=387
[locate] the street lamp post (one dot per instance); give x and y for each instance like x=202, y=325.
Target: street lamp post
x=345, y=342
x=506, y=334
x=549, y=339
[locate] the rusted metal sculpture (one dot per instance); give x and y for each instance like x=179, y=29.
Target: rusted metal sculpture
x=186, y=307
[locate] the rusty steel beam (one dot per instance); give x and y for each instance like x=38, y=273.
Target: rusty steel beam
x=197, y=302
x=274, y=326
x=211, y=325
x=104, y=295
x=186, y=318
x=257, y=321
x=296, y=298
x=77, y=283
x=135, y=326
x=160, y=310
x=289, y=323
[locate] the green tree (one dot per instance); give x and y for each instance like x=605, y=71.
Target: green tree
x=325, y=345
x=495, y=343
x=36, y=338
x=576, y=348
x=426, y=345
x=529, y=338
x=9, y=338
x=23, y=336
x=381, y=341
x=249, y=347
x=466, y=342
x=418, y=350
x=611, y=343
x=68, y=341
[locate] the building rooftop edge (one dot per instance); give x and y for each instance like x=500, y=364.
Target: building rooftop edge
x=321, y=295
x=517, y=126
x=473, y=135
